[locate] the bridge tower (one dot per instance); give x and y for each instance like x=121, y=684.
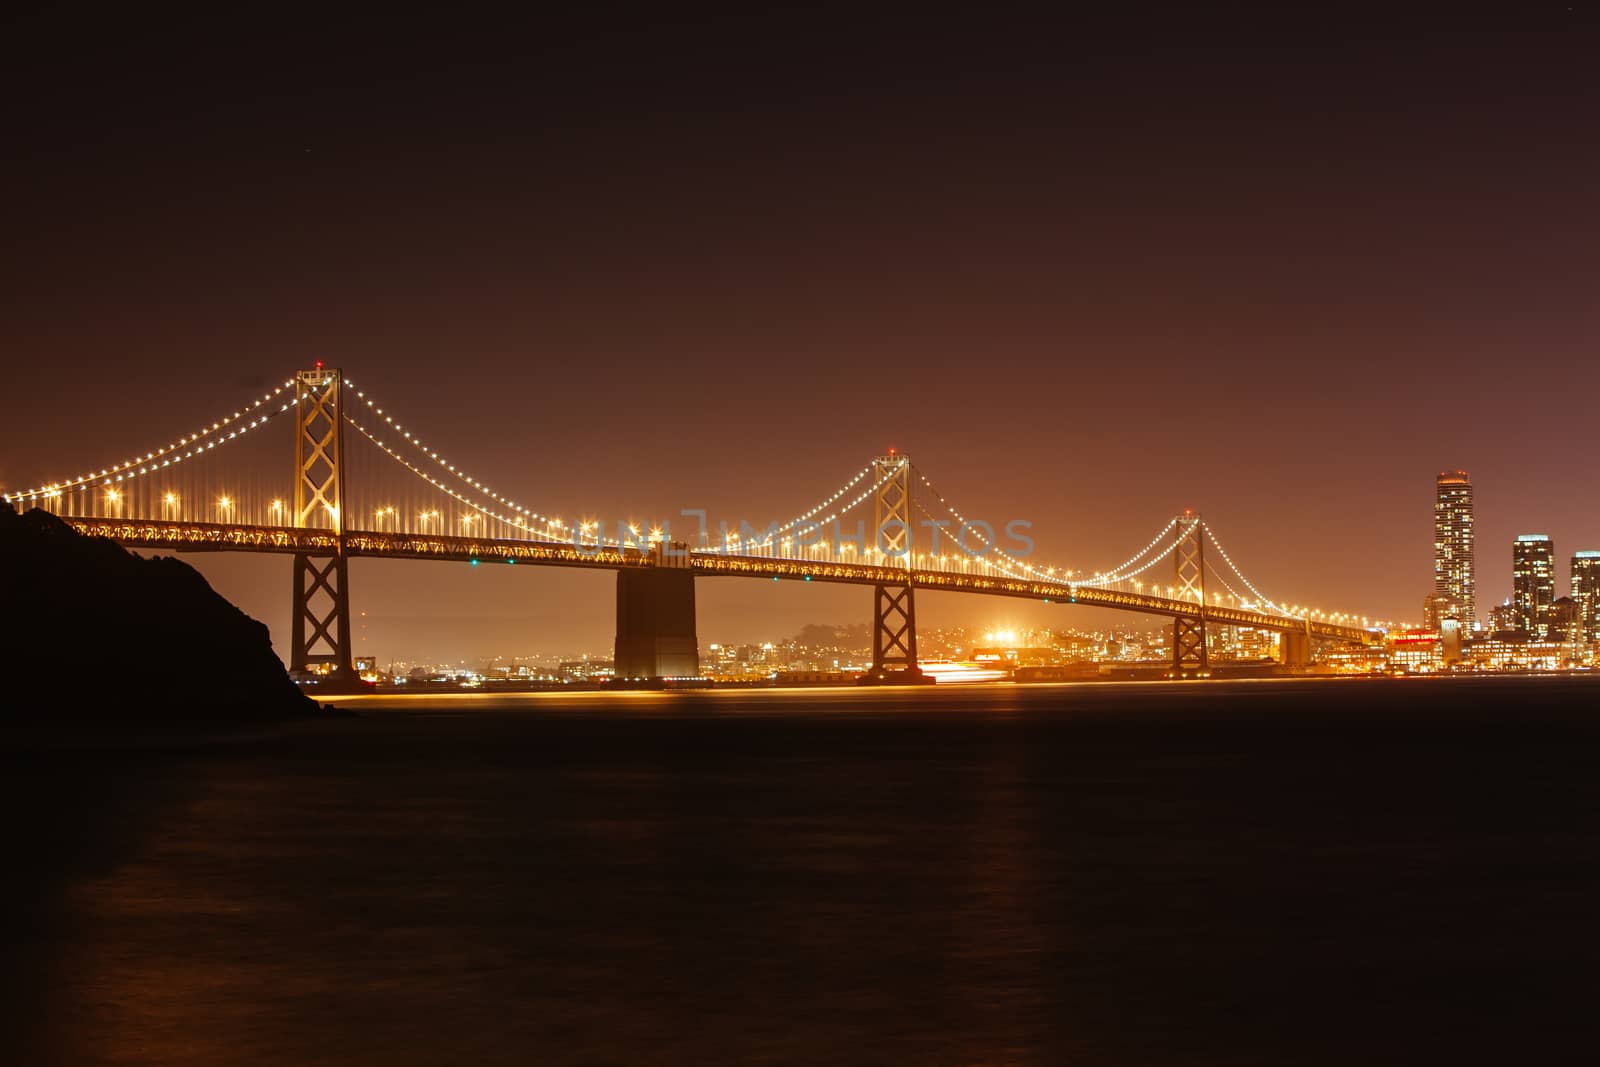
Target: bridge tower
x=321, y=582
x=1189, y=573
x=894, y=614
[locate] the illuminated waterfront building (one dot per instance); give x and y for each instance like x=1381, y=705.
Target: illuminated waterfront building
x=1454, y=567
x=1414, y=651
x=1586, y=592
x=1514, y=651
x=1533, y=582
x=1358, y=659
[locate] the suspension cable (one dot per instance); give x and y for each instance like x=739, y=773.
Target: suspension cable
x=1235, y=568
x=168, y=455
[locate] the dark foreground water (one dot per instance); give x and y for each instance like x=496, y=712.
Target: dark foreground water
x=1355, y=872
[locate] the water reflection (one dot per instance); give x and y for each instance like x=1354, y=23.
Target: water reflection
x=1264, y=874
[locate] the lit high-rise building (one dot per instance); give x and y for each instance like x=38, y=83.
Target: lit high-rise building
x=1502, y=617
x=1454, y=570
x=1586, y=592
x=1533, y=582
x=1437, y=608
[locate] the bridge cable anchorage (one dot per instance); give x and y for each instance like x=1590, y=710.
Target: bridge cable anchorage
x=139, y=466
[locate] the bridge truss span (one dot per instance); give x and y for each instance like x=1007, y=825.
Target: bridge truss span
x=173, y=536
x=711, y=564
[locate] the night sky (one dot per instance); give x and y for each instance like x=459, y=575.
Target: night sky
x=1086, y=271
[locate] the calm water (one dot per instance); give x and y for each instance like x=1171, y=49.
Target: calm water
x=1354, y=872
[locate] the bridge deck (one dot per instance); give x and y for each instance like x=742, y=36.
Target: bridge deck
x=221, y=537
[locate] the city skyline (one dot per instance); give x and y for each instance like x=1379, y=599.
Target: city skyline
x=638, y=269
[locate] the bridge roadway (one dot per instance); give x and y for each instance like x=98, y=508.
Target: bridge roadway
x=225, y=537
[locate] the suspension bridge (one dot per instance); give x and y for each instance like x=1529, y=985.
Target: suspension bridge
x=228, y=486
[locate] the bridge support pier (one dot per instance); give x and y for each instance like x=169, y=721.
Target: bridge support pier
x=1294, y=648
x=656, y=635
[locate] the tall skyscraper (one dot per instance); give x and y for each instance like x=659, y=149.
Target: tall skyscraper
x=1586, y=592
x=1533, y=582
x=1454, y=569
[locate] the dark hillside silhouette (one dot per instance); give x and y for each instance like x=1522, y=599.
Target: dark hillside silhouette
x=97, y=631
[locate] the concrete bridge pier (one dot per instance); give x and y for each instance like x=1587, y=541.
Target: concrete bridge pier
x=1294, y=648
x=656, y=635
